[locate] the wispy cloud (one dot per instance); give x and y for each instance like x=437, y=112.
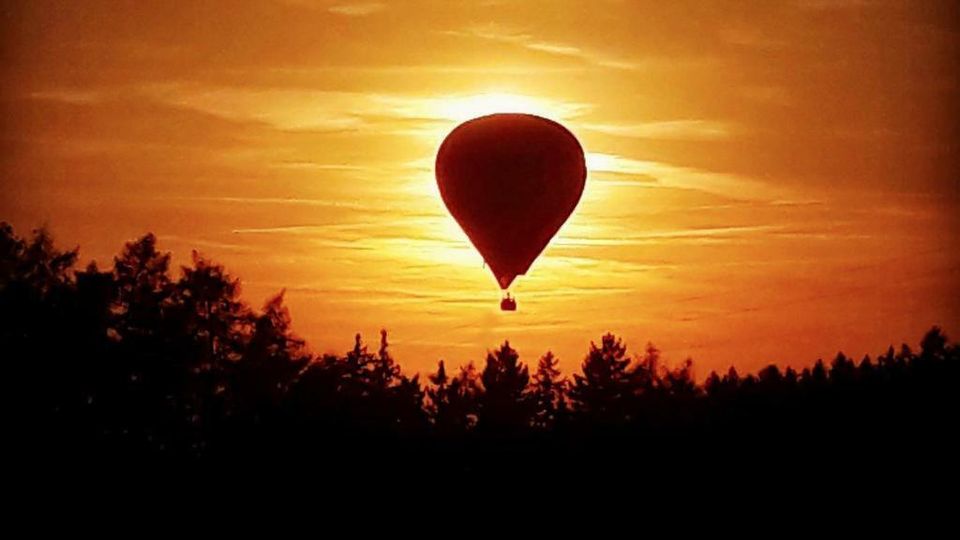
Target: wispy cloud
x=643, y=173
x=327, y=203
x=500, y=34
x=824, y=5
x=313, y=166
x=461, y=107
x=69, y=95
x=357, y=9
x=682, y=130
x=194, y=243
x=747, y=36
x=349, y=9
x=392, y=113
x=695, y=235
x=285, y=109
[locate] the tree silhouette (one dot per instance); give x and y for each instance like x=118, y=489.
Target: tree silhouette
x=504, y=405
x=549, y=394
x=603, y=390
x=454, y=401
x=271, y=359
x=144, y=288
x=128, y=366
x=395, y=401
x=438, y=394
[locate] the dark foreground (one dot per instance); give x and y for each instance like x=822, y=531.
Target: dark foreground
x=131, y=371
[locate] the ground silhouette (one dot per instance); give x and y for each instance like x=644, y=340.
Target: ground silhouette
x=135, y=365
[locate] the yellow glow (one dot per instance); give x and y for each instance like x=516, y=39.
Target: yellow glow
x=462, y=108
x=600, y=162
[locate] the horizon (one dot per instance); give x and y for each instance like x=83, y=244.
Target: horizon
x=634, y=354
x=766, y=183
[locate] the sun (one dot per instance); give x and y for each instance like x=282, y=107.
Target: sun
x=462, y=108
x=452, y=110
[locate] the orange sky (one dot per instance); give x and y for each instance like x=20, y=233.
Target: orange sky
x=769, y=181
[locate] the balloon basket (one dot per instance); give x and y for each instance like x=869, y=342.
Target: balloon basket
x=508, y=304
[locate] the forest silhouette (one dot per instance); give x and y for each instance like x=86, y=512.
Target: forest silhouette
x=132, y=365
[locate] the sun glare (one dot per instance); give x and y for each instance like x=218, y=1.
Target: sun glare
x=462, y=108
x=451, y=110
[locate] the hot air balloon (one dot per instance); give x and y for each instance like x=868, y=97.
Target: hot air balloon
x=510, y=181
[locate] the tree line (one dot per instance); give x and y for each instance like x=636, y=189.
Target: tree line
x=132, y=362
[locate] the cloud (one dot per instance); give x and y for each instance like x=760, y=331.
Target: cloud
x=825, y=5
x=674, y=130
x=387, y=113
x=327, y=203
x=701, y=235
x=751, y=37
x=497, y=33
x=69, y=95
x=357, y=9
x=769, y=94
x=461, y=107
x=672, y=176
x=193, y=243
x=282, y=109
x=313, y=166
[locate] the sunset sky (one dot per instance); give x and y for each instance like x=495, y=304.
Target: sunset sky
x=768, y=181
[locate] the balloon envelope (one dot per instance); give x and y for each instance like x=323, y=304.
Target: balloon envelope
x=510, y=181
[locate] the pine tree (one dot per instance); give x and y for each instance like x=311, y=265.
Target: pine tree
x=145, y=292
x=453, y=401
x=438, y=395
x=548, y=393
x=504, y=405
x=384, y=373
x=603, y=390
x=272, y=358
